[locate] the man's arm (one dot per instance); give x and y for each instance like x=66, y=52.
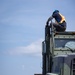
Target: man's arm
x=49, y=19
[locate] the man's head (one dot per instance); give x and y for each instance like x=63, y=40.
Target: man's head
x=56, y=11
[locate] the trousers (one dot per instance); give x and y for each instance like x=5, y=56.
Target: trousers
x=60, y=27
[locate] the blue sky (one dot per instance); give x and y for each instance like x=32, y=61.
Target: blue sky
x=22, y=25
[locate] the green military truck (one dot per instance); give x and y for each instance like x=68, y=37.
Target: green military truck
x=58, y=52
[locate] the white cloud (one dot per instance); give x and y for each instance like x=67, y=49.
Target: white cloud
x=34, y=48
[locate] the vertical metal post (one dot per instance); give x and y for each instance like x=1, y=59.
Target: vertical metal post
x=43, y=58
x=52, y=35
x=46, y=62
x=47, y=56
